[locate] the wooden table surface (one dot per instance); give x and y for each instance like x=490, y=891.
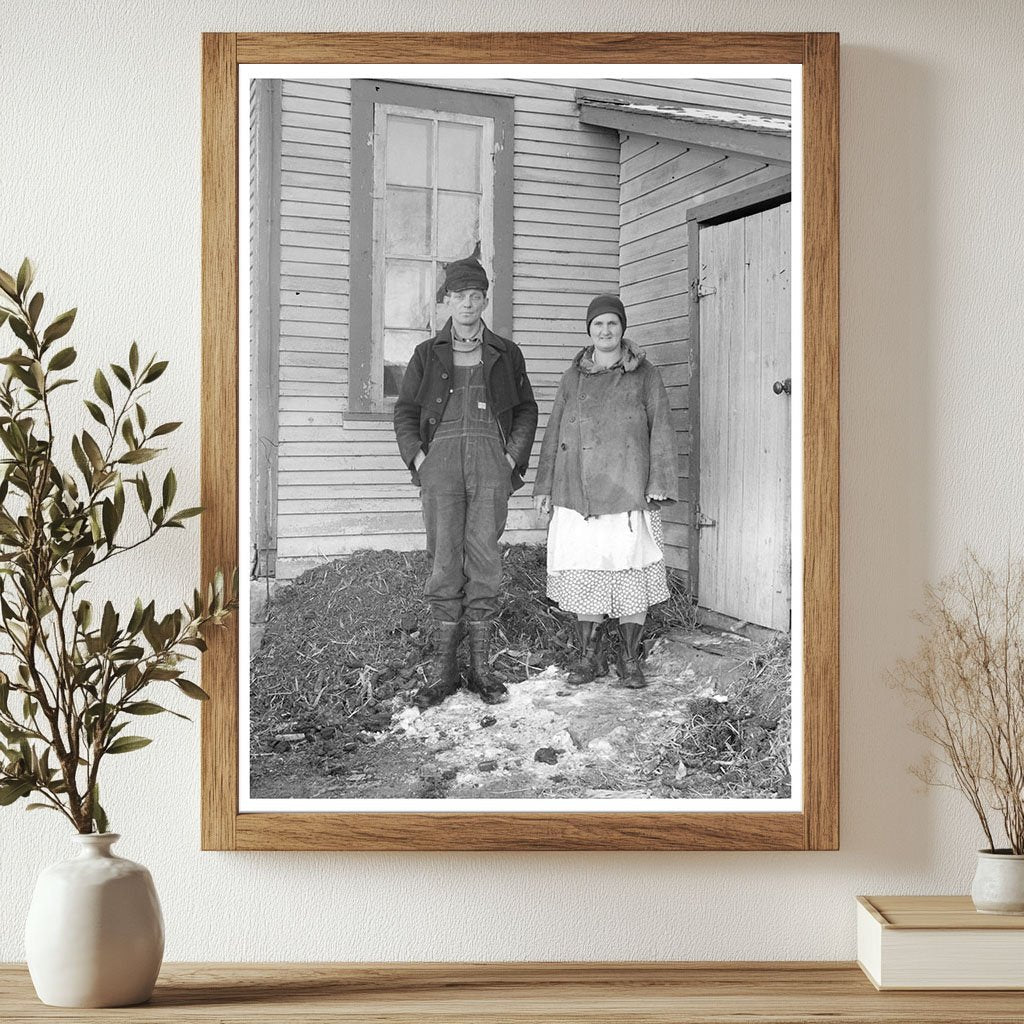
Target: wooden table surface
x=660, y=993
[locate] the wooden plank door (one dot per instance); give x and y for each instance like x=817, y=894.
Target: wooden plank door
x=744, y=558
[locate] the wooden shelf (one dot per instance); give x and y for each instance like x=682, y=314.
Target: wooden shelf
x=655, y=993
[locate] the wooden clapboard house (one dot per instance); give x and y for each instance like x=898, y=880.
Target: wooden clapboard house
x=672, y=193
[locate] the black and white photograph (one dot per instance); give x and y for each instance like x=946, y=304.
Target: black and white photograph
x=520, y=496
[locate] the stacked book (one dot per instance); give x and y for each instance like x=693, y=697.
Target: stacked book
x=938, y=942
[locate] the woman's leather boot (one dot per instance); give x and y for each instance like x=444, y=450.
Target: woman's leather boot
x=631, y=676
x=592, y=661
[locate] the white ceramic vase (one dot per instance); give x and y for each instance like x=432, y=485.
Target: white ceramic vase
x=999, y=883
x=95, y=934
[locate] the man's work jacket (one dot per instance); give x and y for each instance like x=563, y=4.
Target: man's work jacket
x=427, y=385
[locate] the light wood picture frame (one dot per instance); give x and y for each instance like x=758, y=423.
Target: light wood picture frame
x=815, y=825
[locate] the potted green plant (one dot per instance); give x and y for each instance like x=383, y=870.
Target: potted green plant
x=80, y=671
x=966, y=681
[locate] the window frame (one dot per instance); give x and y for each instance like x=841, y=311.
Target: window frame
x=485, y=192
x=365, y=328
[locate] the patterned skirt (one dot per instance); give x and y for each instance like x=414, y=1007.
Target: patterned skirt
x=612, y=592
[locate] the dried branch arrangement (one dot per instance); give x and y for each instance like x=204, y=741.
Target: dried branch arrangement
x=79, y=671
x=967, y=680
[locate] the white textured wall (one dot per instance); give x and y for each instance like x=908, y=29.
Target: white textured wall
x=99, y=181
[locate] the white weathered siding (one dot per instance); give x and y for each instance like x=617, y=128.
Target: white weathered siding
x=566, y=231
x=254, y=507
x=754, y=96
x=661, y=180
x=315, y=457
x=264, y=320
x=757, y=96
x=341, y=484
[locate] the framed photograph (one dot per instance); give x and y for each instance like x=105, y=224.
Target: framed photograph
x=520, y=408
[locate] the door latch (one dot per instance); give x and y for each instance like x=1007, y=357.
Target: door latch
x=703, y=522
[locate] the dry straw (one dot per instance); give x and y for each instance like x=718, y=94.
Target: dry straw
x=967, y=680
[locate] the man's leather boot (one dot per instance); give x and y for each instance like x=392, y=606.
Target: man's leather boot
x=631, y=676
x=592, y=661
x=443, y=680
x=482, y=679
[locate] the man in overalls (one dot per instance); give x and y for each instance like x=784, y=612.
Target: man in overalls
x=465, y=419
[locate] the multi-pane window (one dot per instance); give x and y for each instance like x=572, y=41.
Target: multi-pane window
x=433, y=202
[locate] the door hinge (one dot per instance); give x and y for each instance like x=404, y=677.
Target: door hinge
x=695, y=292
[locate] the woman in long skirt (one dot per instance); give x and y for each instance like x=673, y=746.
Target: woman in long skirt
x=608, y=461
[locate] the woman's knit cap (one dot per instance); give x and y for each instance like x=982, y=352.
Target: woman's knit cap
x=606, y=304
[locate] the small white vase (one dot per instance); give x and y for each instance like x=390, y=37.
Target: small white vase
x=999, y=882
x=95, y=934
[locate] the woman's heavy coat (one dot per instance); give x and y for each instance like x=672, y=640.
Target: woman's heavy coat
x=609, y=441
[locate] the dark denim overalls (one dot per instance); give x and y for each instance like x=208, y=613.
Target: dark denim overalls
x=466, y=483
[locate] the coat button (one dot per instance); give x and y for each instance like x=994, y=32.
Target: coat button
x=565, y=447
x=432, y=420
x=438, y=400
x=444, y=376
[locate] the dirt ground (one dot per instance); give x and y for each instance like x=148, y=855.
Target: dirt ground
x=713, y=722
